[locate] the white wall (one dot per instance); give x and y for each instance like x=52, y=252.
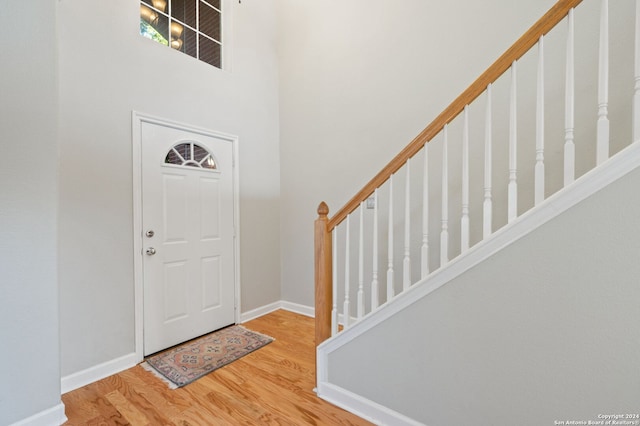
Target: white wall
x=545, y=330
x=359, y=80
x=29, y=358
x=107, y=70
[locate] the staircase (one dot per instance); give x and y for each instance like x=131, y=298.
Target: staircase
x=509, y=296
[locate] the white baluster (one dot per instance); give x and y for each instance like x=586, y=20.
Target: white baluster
x=464, y=221
x=444, y=234
x=569, y=113
x=636, y=89
x=424, y=251
x=390, y=283
x=334, y=308
x=512, y=209
x=602, y=148
x=361, y=264
x=406, y=261
x=488, y=203
x=346, y=312
x=374, y=278
x=539, y=168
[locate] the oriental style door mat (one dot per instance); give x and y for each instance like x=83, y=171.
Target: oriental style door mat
x=185, y=363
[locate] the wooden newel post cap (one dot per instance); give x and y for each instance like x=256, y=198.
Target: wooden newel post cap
x=323, y=209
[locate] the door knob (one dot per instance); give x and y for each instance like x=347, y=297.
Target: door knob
x=151, y=251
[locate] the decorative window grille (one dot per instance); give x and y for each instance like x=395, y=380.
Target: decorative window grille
x=193, y=27
x=189, y=154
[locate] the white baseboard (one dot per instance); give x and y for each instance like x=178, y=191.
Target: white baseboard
x=53, y=416
x=281, y=304
x=98, y=372
x=109, y=368
x=258, y=312
x=362, y=407
x=298, y=309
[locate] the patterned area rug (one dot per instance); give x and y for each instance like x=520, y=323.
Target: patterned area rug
x=192, y=360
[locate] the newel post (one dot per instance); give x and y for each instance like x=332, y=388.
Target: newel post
x=323, y=275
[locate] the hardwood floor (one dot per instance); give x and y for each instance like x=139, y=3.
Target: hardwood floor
x=272, y=386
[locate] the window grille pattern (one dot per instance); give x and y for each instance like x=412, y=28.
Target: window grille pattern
x=190, y=154
x=193, y=27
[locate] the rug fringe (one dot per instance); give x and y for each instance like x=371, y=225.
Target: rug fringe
x=153, y=371
x=255, y=332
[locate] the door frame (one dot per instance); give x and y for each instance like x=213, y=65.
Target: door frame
x=137, y=118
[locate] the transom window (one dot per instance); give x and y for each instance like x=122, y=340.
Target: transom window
x=193, y=27
x=190, y=154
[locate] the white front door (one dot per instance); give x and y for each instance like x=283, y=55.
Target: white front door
x=188, y=233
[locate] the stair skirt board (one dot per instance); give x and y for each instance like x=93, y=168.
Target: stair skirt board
x=619, y=165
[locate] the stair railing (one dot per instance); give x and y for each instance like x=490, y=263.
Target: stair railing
x=327, y=314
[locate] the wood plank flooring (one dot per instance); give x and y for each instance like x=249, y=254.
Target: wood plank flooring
x=271, y=386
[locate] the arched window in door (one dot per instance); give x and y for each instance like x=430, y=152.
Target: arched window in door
x=190, y=154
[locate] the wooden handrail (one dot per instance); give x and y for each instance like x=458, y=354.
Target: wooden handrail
x=515, y=52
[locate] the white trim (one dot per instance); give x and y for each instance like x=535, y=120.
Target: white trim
x=138, y=291
x=307, y=311
x=362, y=407
x=281, y=304
x=97, y=372
x=591, y=182
x=236, y=225
x=137, y=119
x=49, y=417
x=261, y=311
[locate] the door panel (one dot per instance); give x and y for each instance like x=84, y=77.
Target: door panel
x=175, y=291
x=189, y=283
x=210, y=208
x=174, y=205
x=211, y=283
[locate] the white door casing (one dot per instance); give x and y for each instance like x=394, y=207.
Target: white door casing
x=186, y=252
